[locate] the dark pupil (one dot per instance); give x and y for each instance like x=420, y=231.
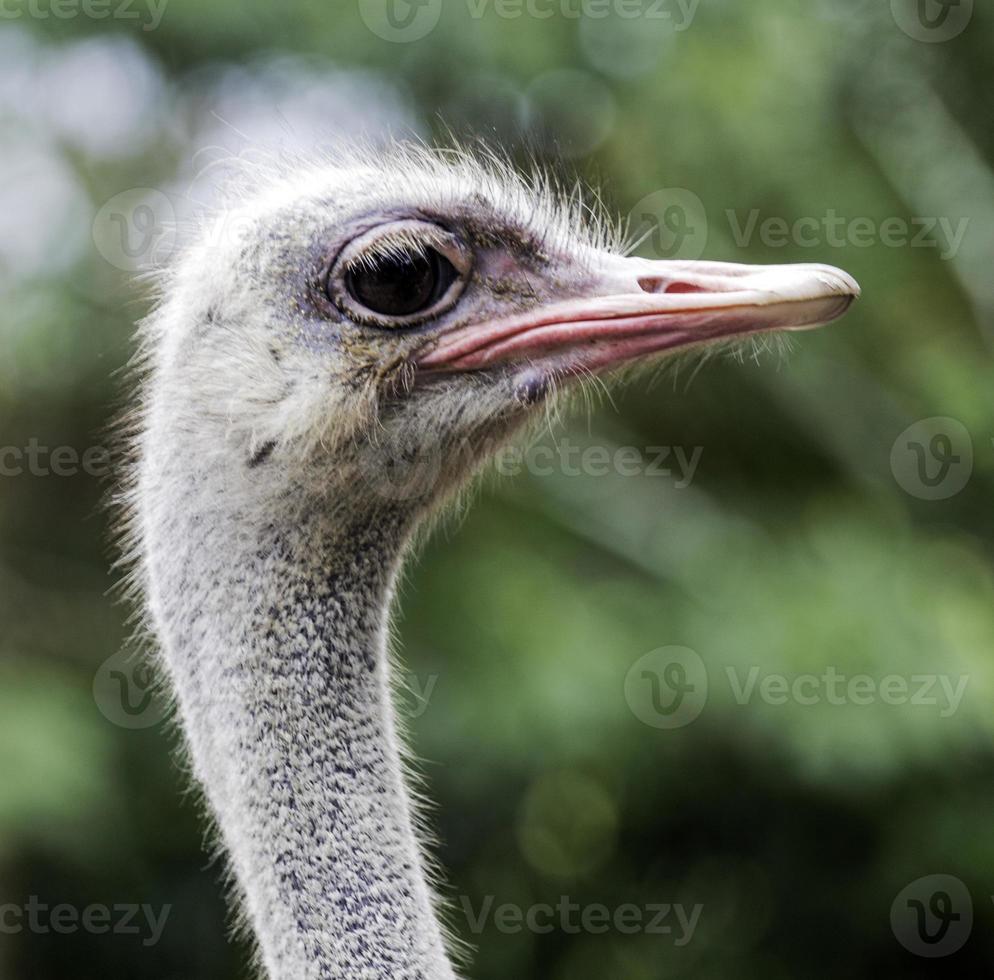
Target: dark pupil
x=401, y=285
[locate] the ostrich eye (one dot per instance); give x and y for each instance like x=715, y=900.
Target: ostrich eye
x=399, y=274
x=401, y=285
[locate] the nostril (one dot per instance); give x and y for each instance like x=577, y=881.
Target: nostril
x=654, y=284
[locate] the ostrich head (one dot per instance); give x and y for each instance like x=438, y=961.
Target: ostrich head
x=384, y=322
x=338, y=321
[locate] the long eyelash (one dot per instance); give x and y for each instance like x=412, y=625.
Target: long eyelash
x=400, y=243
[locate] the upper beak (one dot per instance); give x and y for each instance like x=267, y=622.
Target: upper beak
x=637, y=307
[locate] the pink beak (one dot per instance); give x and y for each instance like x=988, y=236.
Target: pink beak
x=639, y=307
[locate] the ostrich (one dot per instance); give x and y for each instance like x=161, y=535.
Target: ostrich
x=340, y=318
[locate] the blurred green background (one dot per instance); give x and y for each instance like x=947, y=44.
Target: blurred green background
x=809, y=538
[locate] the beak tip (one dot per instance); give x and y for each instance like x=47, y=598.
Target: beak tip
x=840, y=282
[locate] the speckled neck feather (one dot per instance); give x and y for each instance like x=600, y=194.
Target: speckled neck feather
x=278, y=657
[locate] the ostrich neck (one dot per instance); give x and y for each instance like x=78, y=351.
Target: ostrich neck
x=277, y=651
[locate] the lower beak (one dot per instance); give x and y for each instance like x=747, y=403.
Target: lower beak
x=636, y=307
